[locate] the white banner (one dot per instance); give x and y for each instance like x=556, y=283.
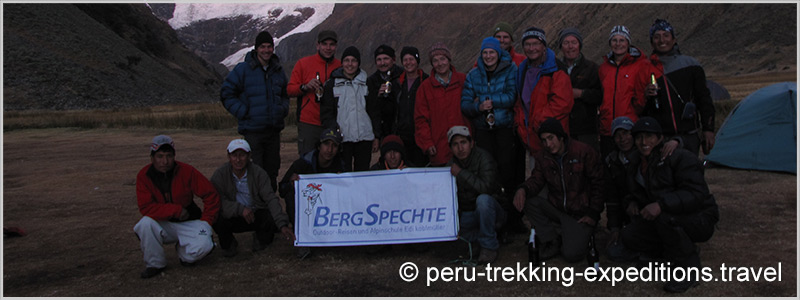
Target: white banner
x=376, y=207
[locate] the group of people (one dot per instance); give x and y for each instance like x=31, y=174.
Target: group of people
x=623, y=136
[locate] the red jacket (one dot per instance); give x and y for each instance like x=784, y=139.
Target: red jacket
x=623, y=88
x=575, y=185
x=552, y=97
x=437, y=109
x=516, y=57
x=305, y=70
x=186, y=183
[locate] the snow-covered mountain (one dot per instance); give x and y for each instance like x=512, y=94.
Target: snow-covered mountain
x=224, y=33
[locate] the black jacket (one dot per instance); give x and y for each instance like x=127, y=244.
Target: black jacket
x=583, y=117
x=388, y=105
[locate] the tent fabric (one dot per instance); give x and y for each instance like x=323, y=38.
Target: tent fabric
x=718, y=92
x=760, y=133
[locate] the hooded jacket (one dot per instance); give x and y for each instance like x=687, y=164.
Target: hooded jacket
x=304, y=70
x=574, y=180
x=500, y=88
x=256, y=97
x=677, y=183
x=186, y=183
x=478, y=176
x=437, y=109
x=406, y=100
x=551, y=98
x=387, y=105
x=583, y=117
x=623, y=87
x=345, y=105
x=258, y=183
x=687, y=83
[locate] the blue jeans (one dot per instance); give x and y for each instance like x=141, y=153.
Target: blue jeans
x=482, y=224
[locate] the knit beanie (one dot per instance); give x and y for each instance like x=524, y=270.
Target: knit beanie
x=551, y=125
x=392, y=142
x=491, y=43
x=620, y=30
x=264, y=37
x=660, y=24
x=439, y=48
x=411, y=51
x=567, y=32
x=384, y=49
x=352, y=51
x=534, y=32
x=505, y=27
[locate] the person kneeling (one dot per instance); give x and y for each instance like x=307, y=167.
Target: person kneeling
x=572, y=172
x=480, y=215
x=248, y=202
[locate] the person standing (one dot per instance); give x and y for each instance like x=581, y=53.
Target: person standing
x=345, y=105
x=624, y=75
x=504, y=33
x=407, y=85
x=587, y=92
x=480, y=215
x=383, y=88
x=255, y=93
x=669, y=204
x=488, y=101
x=248, y=202
x=680, y=101
x=305, y=85
x=165, y=191
x=543, y=88
x=438, y=106
x=573, y=175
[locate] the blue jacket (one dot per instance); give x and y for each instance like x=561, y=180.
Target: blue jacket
x=256, y=97
x=500, y=88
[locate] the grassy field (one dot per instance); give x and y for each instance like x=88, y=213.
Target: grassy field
x=72, y=188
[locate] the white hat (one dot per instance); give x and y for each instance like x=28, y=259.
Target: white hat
x=238, y=144
x=161, y=140
x=457, y=130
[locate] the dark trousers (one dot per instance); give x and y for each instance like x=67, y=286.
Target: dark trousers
x=607, y=145
x=357, y=155
x=691, y=142
x=671, y=235
x=264, y=227
x=548, y=220
x=414, y=154
x=307, y=137
x=265, y=151
x=500, y=144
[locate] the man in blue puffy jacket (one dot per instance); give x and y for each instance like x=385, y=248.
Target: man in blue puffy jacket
x=255, y=93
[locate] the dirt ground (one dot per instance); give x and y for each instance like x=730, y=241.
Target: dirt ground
x=73, y=192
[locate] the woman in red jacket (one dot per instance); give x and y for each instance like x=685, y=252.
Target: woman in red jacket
x=624, y=77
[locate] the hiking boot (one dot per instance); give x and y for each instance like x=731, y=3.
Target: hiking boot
x=487, y=256
x=151, y=271
x=232, y=250
x=679, y=286
x=378, y=249
x=303, y=252
x=257, y=244
x=550, y=249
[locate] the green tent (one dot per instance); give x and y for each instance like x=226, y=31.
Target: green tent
x=760, y=133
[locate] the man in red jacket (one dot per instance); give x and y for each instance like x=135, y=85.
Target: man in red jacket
x=305, y=85
x=572, y=173
x=165, y=190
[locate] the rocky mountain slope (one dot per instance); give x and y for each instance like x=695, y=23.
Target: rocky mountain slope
x=87, y=56
x=83, y=56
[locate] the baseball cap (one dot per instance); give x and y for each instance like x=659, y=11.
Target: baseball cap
x=238, y=144
x=646, y=124
x=161, y=140
x=622, y=122
x=457, y=130
x=331, y=134
x=327, y=35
